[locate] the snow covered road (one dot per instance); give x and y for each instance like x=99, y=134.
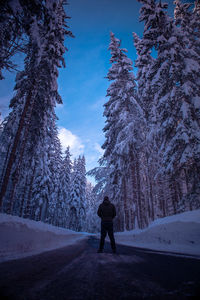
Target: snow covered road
x=78, y=272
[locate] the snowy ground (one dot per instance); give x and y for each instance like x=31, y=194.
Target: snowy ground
x=178, y=233
x=22, y=237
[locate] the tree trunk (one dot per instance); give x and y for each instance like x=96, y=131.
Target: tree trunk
x=28, y=213
x=14, y=148
x=139, y=200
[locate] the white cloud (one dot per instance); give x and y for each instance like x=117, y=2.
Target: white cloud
x=98, y=148
x=67, y=138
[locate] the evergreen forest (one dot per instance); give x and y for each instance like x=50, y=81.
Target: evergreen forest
x=150, y=167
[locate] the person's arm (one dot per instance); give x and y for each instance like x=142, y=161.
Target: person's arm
x=99, y=211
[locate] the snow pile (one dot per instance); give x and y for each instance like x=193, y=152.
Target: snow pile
x=178, y=233
x=22, y=237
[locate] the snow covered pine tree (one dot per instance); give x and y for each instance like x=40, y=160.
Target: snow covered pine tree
x=124, y=136
x=33, y=117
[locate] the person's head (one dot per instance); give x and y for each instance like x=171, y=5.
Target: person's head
x=106, y=199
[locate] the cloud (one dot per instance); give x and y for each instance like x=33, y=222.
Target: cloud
x=67, y=138
x=98, y=148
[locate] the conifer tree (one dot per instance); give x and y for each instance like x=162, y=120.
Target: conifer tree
x=64, y=185
x=92, y=204
x=174, y=84
x=143, y=63
x=36, y=96
x=187, y=137
x=197, y=7
x=77, y=213
x=65, y=173
x=15, y=25
x=151, y=12
x=1, y=124
x=145, y=98
x=123, y=133
x=10, y=33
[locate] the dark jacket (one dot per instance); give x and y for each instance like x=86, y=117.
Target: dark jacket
x=106, y=211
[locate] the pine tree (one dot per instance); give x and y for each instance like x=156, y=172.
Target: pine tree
x=102, y=178
x=143, y=63
x=66, y=174
x=10, y=33
x=1, y=124
x=187, y=132
x=15, y=25
x=64, y=185
x=197, y=7
x=123, y=132
x=42, y=184
x=151, y=13
x=92, y=204
x=77, y=213
x=174, y=84
x=145, y=98
x=35, y=99
x=83, y=181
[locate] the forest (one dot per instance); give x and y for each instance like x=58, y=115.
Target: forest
x=150, y=167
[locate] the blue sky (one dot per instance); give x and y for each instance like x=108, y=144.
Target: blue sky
x=82, y=83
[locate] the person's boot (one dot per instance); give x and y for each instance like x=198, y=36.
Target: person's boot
x=114, y=251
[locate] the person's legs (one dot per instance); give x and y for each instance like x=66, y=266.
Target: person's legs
x=111, y=236
x=103, y=235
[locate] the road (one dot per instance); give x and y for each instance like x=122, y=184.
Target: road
x=78, y=272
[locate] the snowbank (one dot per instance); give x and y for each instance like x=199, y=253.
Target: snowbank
x=178, y=233
x=22, y=237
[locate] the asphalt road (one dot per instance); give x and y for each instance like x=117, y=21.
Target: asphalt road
x=78, y=272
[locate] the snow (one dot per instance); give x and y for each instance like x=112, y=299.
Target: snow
x=196, y=101
x=22, y=237
x=178, y=233
x=15, y=6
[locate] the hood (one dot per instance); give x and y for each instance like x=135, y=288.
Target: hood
x=106, y=202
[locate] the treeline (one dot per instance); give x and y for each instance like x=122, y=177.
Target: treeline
x=36, y=181
x=151, y=164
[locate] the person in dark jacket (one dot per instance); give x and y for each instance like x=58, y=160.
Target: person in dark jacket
x=106, y=212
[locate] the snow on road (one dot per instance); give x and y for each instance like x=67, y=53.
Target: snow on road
x=22, y=237
x=178, y=233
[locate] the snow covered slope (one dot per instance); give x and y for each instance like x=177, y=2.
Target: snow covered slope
x=178, y=233
x=22, y=237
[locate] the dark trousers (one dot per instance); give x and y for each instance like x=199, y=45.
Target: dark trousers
x=107, y=227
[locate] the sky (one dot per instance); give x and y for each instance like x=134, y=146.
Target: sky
x=82, y=84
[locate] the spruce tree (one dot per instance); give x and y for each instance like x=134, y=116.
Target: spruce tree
x=35, y=99
x=77, y=213
x=174, y=84
x=123, y=131
x=186, y=138
x=197, y=7
x=92, y=204
x=64, y=185
x=16, y=18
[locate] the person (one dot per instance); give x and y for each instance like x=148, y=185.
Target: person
x=106, y=212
